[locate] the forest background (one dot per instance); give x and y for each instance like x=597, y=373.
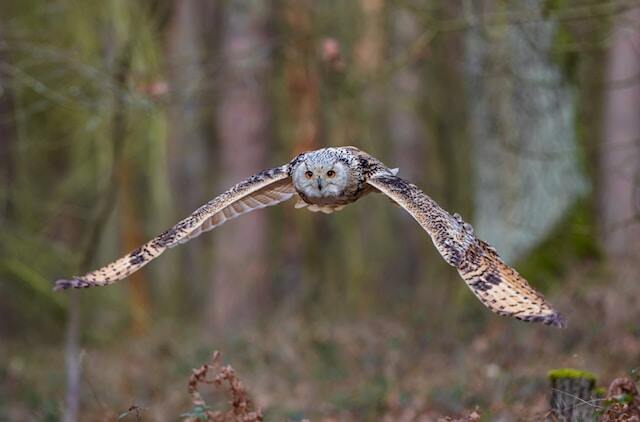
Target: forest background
x=118, y=118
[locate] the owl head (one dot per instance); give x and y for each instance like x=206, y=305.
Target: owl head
x=321, y=174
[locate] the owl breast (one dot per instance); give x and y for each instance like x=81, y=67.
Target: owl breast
x=326, y=209
x=331, y=203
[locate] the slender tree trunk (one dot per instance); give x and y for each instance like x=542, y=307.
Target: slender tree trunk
x=7, y=158
x=301, y=77
x=7, y=140
x=446, y=165
x=189, y=156
x=131, y=226
x=362, y=126
x=299, y=127
x=73, y=367
x=406, y=129
x=369, y=47
x=619, y=193
x=242, y=116
x=132, y=236
x=72, y=359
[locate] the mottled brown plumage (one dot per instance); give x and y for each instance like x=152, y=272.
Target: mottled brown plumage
x=497, y=285
x=326, y=180
x=266, y=188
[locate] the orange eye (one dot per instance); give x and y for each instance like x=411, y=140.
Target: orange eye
x=309, y=174
x=331, y=173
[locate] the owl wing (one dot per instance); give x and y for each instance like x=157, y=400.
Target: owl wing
x=496, y=284
x=264, y=189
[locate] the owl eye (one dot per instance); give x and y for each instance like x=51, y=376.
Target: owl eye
x=331, y=173
x=309, y=174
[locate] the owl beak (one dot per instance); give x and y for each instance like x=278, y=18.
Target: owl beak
x=319, y=180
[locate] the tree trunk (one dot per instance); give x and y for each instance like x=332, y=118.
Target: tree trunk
x=189, y=152
x=301, y=78
x=571, y=395
x=240, y=270
x=132, y=236
x=522, y=117
x=7, y=160
x=299, y=127
x=619, y=193
x=447, y=165
x=410, y=141
x=7, y=140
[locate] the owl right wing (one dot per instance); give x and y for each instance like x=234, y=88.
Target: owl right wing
x=264, y=189
x=497, y=285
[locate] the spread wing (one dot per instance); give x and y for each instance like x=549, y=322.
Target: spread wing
x=266, y=188
x=496, y=284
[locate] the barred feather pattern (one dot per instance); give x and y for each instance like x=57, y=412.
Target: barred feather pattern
x=497, y=285
x=269, y=187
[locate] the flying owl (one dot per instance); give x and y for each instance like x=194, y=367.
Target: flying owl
x=327, y=180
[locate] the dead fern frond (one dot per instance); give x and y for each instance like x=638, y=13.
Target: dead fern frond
x=622, y=402
x=241, y=408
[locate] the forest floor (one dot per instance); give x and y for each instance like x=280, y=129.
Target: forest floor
x=328, y=369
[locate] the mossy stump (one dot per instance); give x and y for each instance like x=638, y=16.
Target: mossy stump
x=571, y=394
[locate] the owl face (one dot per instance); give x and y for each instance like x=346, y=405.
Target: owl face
x=320, y=176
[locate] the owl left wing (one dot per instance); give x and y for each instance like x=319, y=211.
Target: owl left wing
x=269, y=187
x=497, y=285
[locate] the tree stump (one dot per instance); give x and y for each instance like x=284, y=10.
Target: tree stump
x=572, y=392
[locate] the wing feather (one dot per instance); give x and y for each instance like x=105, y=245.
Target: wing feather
x=497, y=285
x=264, y=189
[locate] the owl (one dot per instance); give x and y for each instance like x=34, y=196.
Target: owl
x=326, y=180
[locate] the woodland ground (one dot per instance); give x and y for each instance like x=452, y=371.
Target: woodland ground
x=337, y=368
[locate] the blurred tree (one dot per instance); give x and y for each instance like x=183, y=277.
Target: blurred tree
x=131, y=213
x=189, y=144
x=301, y=76
x=7, y=140
x=448, y=164
x=7, y=171
x=428, y=135
x=240, y=276
x=619, y=193
x=363, y=125
x=408, y=134
x=87, y=171
x=297, y=116
x=324, y=272
x=522, y=116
